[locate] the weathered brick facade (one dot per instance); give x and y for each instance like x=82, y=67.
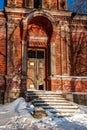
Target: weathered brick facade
x=44, y=26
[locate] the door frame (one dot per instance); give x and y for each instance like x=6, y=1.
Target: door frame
x=36, y=85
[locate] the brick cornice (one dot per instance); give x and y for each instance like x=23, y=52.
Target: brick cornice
x=62, y=14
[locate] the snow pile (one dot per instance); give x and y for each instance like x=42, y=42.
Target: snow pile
x=84, y=109
x=15, y=109
x=17, y=116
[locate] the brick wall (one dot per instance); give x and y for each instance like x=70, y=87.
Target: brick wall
x=2, y=51
x=69, y=84
x=2, y=44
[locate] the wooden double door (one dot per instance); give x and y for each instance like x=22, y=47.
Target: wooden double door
x=36, y=69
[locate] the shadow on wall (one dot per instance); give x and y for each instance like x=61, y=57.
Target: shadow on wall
x=78, y=55
x=2, y=89
x=79, y=85
x=77, y=49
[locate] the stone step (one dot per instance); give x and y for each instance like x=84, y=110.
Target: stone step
x=60, y=107
x=62, y=110
x=52, y=104
x=43, y=92
x=44, y=95
x=63, y=114
x=28, y=93
x=50, y=98
x=50, y=101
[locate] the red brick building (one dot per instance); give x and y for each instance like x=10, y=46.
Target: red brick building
x=42, y=46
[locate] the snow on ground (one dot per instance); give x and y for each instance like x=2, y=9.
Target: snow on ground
x=18, y=116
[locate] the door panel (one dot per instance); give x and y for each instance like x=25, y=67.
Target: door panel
x=36, y=69
x=30, y=73
x=41, y=73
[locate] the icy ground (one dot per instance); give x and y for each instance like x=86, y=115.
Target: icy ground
x=17, y=116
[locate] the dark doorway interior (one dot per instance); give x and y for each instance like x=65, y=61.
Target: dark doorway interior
x=41, y=87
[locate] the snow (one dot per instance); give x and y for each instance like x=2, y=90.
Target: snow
x=18, y=116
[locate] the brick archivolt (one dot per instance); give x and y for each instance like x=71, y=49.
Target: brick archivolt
x=26, y=21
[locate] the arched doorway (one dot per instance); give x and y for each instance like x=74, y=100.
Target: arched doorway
x=39, y=32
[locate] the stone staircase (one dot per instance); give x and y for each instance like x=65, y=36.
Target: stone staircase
x=53, y=102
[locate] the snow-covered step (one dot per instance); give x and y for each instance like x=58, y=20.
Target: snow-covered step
x=49, y=101
x=42, y=95
x=60, y=107
x=63, y=114
x=62, y=110
x=51, y=97
x=43, y=92
x=51, y=104
x=44, y=98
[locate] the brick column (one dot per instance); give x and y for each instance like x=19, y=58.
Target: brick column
x=11, y=48
x=53, y=59
x=13, y=82
x=24, y=48
x=23, y=83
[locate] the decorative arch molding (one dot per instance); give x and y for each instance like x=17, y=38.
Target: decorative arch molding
x=52, y=42
x=33, y=14
x=40, y=13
